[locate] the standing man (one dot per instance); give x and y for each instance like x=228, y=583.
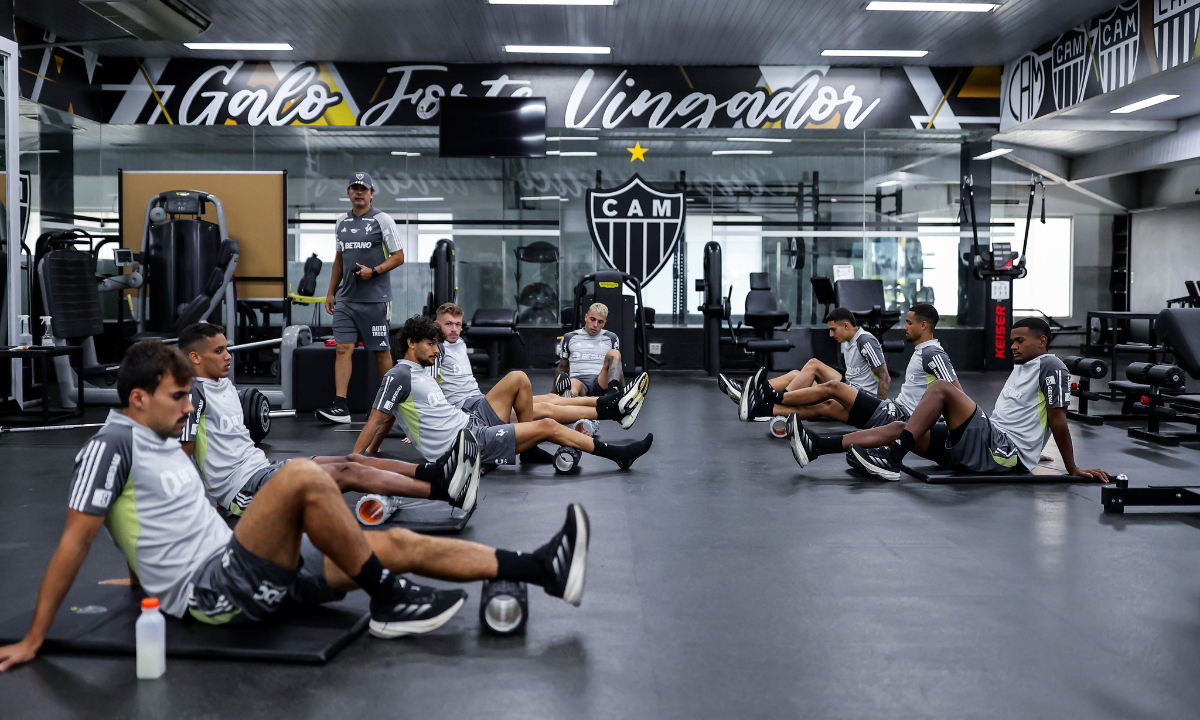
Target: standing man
x=360, y=296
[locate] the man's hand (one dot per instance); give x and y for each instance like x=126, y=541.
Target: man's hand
x=330, y=300
x=1092, y=474
x=364, y=272
x=19, y=654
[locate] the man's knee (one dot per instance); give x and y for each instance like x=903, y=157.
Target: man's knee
x=941, y=387
x=614, y=355
x=520, y=378
x=813, y=364
x=304, y=475
x=545, y=427
x=345, y=349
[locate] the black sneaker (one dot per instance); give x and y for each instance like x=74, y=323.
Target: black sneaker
x=633, y=393
x=565, y=556
x=732, y=388
x=338, y=412
x=802, y=440
x=413, y=609
x=751, y=395
x=877, y=462
x=562, y=386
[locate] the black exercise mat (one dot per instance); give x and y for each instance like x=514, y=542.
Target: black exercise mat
x=1043, y=473
x=101, y=618
x=428, y=517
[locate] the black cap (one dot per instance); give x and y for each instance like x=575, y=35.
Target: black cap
x=361, y=178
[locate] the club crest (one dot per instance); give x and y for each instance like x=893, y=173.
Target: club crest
x=635, y=227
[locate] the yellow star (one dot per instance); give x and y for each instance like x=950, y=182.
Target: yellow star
x=637, y=152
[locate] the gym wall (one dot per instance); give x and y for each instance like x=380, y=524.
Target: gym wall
x=1163, y=256
x=255, y=212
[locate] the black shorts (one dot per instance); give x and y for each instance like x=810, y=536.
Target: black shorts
x=591, y=386
x=241, y=501
x=869, y=411
x=237, y=585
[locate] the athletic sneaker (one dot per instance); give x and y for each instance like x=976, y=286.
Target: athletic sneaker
x=631, y=414
x=634, y=392
x=732, y=388
x=464, y=479
x=565, y=556
x=471, y=489
x=751, y=395
x=413, y=609
x=802, y=440
x=876, y=461
x=562, y=385
x=763, y=411
x=338, y=412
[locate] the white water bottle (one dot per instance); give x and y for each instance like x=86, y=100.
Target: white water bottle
x=151, y=631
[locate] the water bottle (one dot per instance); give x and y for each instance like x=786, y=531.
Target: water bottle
x=24, y=339
x=151, y=631
x=48, y=336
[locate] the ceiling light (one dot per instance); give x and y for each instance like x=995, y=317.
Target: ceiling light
x=236, y=46
x=757, y=139
x=343, y=199
x=558, y=49
x=534, y=198
x=887, y=183
x=742, y=152
x=564, y=137
x=875, y=53
x=572, y=153
x=553, y=2
x=1140, y=104
x=403, y=153
x=993, y=154
x=421, y=199
x=904, y=6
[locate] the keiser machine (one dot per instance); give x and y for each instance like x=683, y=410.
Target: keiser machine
x=998, y=266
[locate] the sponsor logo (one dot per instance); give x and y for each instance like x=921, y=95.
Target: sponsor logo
x=111, y=477
x=100, y=498
x=88, y=609
x=388, y=405
x=1026, y=87
x=1001, y=331
x=225, y=557
x=379, y=330
x=358, y=245
x=501, y=432
x=635, y=227
x=353, y=231
x=270, y=593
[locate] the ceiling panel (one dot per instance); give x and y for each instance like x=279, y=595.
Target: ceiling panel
x=688, y=32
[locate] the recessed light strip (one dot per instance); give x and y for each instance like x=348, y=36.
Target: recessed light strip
x=403, y=153
x=1143, y=104
x=421, y=199
x=572, y=137
x=558, y=49
x=875, y=53
x=993, y=154
x=571, y=153
x=758, y=139
x=553, y=2
x=237, y=46
x=743, y=152
x=904, y=6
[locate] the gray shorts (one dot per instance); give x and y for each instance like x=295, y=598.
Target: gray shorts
x=241, y=501
x=496, y=437
x=366, y=322
x=237, y=585
x=980, y=447
x=591, y=385
x=869, y=411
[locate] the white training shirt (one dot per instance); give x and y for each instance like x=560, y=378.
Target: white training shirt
x=861, y=354
x=1031, y=389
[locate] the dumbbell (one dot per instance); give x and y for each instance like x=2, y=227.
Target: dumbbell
x=504, y=607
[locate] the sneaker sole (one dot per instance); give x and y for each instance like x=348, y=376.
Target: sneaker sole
x=636, y=394
x=724, y=385
x=744, y=403
x=573, y=593
x=472, y=487
x=797, y=446
x=454, y=489
x=630, y=418
x=340, y=419
x=872, y=469
x=395, y=629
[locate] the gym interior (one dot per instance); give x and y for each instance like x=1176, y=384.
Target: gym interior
x=722, y=176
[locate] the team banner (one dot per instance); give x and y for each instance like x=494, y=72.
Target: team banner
x=123, y=90
x=1132, y=40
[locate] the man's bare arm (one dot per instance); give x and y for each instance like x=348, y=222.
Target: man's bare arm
x=564, y=366
x=885, y=380
x=379, y=424
x=335, y=279
x=80, y=530
x=1062, y=438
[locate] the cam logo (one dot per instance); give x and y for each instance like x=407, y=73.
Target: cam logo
x=1069, y=67
x=1026, y=87
x=353, y=231
x=1117, y=36
x=635, y=227
x=1175, y=29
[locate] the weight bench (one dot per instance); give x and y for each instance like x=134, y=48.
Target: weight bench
x=100, y=619
x=493, y=327
x=865, y=299
x=1118, y=495
x=1043, y=473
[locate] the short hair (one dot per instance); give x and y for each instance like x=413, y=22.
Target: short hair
x=1037, y=326
x=197, y=333
x=926, y=312
x=599, y=309
x=449, y=309
x=840, y=315
x=145, y=365
x=418, y=328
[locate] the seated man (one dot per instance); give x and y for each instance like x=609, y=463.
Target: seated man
x=452, y=369
x=841, y=402
x=297, y=539
x=410, y=393
x=1029, y=409
x=866, y=367
x=233, y=469
x=590, y=361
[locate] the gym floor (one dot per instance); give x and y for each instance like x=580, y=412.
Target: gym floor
x=723, y=582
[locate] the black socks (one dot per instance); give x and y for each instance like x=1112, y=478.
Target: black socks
x=521, y=567
x=623, y=455
x=902, y=446
x=375, y=579
x=828, y=444
x=606, y=406
x=428, y=472
x=434, y=474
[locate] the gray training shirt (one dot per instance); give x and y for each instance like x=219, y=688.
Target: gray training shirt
x=154, y=506
x=453, y=368
x=862, y=353
x=929, y=362
x=224, y=452
x=368, y=240
x=585, y=353
x=1031, y=389
x=411, y=394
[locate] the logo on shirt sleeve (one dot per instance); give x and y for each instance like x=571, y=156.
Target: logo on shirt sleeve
x=101, y=498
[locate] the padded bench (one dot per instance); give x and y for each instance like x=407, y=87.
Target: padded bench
x=493, y=327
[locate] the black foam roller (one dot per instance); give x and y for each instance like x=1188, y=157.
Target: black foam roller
x=1094, y=368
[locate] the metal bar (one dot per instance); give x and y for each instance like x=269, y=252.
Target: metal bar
x=77, y=43
x=42, y=428
x=259, y=343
